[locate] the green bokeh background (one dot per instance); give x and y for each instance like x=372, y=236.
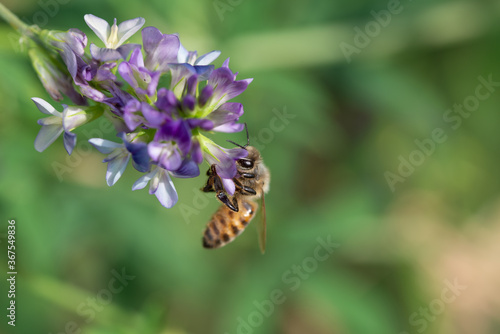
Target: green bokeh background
x=352, y=120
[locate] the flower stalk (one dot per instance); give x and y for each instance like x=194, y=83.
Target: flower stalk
x=21, y=27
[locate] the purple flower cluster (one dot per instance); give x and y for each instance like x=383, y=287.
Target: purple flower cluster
x=162, y=129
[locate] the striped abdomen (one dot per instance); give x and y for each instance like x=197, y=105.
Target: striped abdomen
x=226, y=224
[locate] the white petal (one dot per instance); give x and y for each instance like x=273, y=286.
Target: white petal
x=99, y=26
x=46, y=107
x=206, y=59
x=128, y=28
x=51, y=120
x=115, y=154
x=143, y=180
x=166, y=193
x=182, y=55
x=229, y=186
x=116, y=167
x=74, y=117
x=47, y=135
x=155, y=181
x=104, y=146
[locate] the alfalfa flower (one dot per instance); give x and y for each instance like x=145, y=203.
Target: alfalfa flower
x=113, y=37
x=160, y=184
x=54, y=78
x=141, y=79
x=191, y=57
x=160, y=49
x=71, y=46
x=119, y=155
x=224, y=86
x=172, y=142
x=61, y=122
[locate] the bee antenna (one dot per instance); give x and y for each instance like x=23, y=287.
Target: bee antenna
x=232, y=142
x=248, y=139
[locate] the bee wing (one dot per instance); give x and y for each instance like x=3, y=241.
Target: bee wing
x=261, y=225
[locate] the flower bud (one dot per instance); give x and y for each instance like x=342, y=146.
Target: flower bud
x=55, y=79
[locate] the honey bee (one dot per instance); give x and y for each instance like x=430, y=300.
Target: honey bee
x=230, y=220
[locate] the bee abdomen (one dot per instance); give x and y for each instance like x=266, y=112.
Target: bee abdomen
x=215, y=236
x=224, y=226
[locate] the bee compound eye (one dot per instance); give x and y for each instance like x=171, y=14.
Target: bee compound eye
x=245, y=163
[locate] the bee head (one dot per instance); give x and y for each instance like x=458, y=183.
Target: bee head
x=253, y=154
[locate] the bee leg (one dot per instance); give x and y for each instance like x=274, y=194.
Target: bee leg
x=246, y=189
x=235, y=204
x=207, y=189
x=249, y=190
x=248, y=175
x=222, y=195
x=211, y=171
x=237, y=183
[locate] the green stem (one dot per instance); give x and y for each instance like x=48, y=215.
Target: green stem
x=16, y=23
